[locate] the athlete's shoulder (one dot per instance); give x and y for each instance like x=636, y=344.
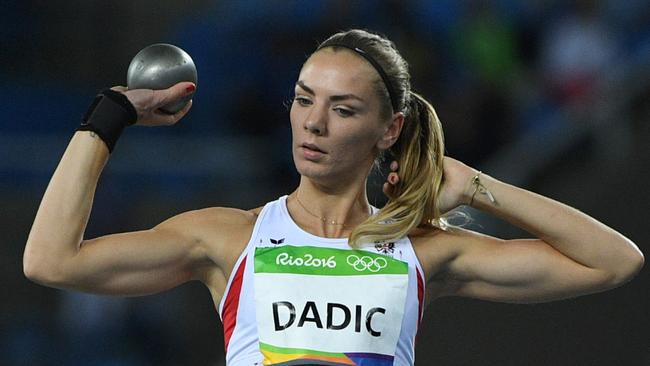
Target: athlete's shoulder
x=436, y=247
x=221, y=216
x=211, y=222
x=422, y=234
x=451, y=235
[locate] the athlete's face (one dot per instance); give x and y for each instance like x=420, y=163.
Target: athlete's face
x=336, y=122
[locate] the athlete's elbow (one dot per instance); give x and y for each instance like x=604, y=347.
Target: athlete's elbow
x=633, y=266
x=35, y=272
x=627, y=267
x=42, y=271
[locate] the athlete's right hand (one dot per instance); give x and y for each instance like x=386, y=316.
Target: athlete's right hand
x=146, y=103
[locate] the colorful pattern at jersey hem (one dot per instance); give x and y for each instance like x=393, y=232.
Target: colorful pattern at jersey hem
x=280, y=356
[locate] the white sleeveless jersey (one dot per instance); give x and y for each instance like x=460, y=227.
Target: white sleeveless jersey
x=295, y=299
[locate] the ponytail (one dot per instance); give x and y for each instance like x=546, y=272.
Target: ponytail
x=419, y=152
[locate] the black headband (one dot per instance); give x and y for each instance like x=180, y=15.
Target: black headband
x=380, y=70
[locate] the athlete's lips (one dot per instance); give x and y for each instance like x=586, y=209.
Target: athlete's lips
x=311, y=152
x=312, y=147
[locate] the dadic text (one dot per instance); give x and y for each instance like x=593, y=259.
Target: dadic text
x=284, y=316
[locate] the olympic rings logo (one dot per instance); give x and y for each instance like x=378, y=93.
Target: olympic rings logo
x=365, y=262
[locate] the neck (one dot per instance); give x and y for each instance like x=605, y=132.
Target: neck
x=328, y=211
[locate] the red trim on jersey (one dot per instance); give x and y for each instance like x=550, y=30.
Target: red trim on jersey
x=420, y=295
x=420, y=300
x=231, y=304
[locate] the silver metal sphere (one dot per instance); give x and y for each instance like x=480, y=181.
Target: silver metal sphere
x=160, y=66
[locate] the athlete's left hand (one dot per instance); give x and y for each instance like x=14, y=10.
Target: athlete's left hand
x=456, y=186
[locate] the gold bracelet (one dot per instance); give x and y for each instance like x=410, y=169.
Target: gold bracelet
x=480, y=188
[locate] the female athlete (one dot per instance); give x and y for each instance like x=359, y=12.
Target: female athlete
x=320, y=276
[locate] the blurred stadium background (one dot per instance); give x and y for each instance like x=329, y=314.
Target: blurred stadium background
x=553, y=96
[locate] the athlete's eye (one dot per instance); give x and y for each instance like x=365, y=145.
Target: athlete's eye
x=302, y=101
x=343, y=112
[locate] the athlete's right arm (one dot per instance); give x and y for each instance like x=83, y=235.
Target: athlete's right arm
x=132, y=263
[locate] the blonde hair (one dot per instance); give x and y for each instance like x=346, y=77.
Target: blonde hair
x=419, y=150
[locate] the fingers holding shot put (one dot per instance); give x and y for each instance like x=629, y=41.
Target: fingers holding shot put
x=148, y=103
x=161, y=81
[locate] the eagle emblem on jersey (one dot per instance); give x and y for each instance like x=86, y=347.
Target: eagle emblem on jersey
x=385, y=248
x=277, y=241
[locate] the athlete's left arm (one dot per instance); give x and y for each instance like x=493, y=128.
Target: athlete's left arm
x=573, y=255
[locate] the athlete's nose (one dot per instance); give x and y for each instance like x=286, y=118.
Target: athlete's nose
x=316, y=121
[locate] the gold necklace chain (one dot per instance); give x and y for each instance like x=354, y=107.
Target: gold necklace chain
x=329, y=222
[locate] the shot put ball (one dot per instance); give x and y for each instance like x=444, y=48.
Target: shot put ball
x=160, y=66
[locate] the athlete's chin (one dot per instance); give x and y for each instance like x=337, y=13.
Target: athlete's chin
x=312, y=171
x=317, y=170
x=327, y=171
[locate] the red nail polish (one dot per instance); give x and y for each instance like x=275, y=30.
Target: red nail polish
x=190, y=89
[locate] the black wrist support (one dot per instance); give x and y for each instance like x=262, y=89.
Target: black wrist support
x=109, y=114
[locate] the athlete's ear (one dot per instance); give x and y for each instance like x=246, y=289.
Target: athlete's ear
x=393, y=129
